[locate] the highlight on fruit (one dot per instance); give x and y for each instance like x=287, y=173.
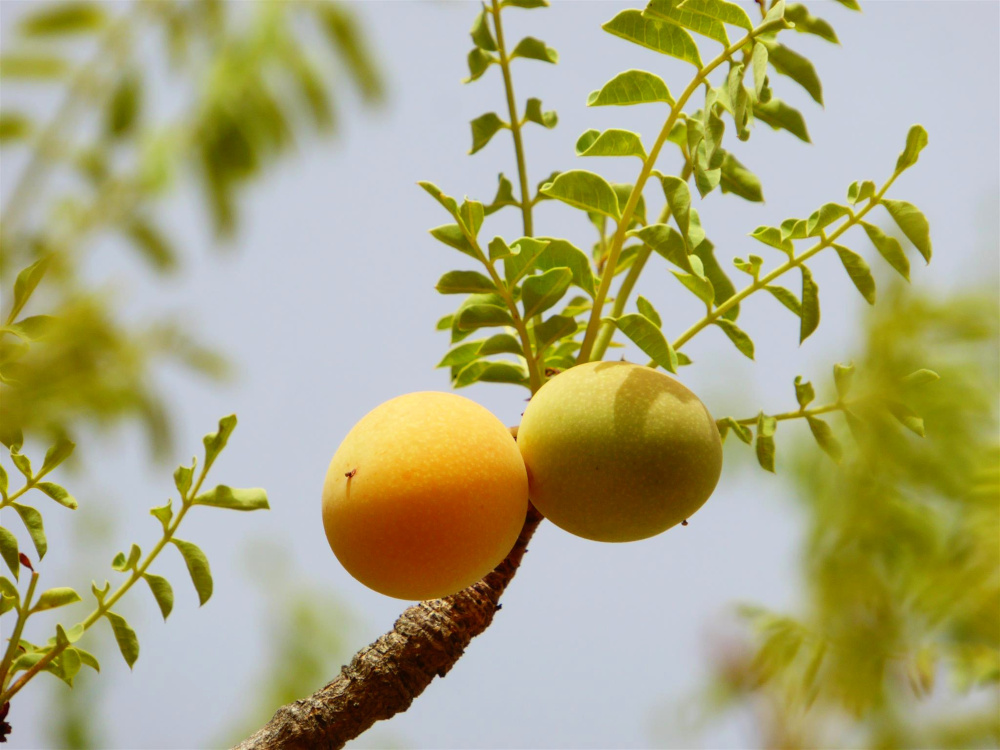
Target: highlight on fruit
x=425, y=496
x=616, y=452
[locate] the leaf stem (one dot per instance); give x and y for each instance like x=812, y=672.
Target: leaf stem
x=825, y=242
x=23, y=612
x=799, y=414
x=515, y=123
x=586, y=348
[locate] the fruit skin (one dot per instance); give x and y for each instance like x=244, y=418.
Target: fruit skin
x=617, y=452
x=437, y=497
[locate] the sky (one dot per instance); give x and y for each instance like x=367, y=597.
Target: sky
x=325, y=304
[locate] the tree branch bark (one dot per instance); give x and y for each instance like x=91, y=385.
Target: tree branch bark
x=384, y=678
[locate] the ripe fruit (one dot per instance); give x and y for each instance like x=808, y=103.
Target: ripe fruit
x=618, y=452
x=425, y=496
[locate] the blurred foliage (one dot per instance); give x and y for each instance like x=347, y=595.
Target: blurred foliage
x=251, y=80
x=897, y=643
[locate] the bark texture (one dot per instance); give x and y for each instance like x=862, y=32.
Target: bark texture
x=385, y=677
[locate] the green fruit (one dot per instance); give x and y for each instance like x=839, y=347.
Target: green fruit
x=617, y=452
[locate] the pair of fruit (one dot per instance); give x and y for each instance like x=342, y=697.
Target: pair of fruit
x=428, y=492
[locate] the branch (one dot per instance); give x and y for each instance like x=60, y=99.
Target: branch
x=384, y=678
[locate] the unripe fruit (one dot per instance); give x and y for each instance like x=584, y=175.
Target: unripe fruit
x=618, y=452
x=425, y=496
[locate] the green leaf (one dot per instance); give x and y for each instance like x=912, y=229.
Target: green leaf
x=586, y=191
x=215, y=442
x=647, y=309
x=533, y=113
x=461, y=354
x=795, y=66
x=859, y=191
x=25, y=284
x=128, y=642
x=481, y=35
x=912, y=223
x=58, y=494
x=631, y=87
x=822, y=217
x=751, y=267
x=759, y=62
x=162, y=591
x=56, y=454
x=780, y=116
x=523, y=261
x=152, y=243
x=465, y=282
x=786, y=298
x=889, y=248
x=739, y=180
x=806, y=23
x=453, y=236
x=843, y=377
x=613, y=142
x=906, y=416
x=561, y=253
x=675, y=190
x=504, y=197
x=183, y=476
x=539, y=293
x=743, y=432
x=471, y=214
x=22, y=462
x=804, y=392
x=88, y=659
x=736, y=335
x=482, y=316
x=9, y=552
x=490, y=372
x=123, y=107
x=163, y=514
x=705, y=178
x=810, y=305
x=648, y=337
x=32, y=520
x=197, y=565
x=479, y=62
x=720, y=10
x=724, y=288
x=772, y=236
x=54, y=19
x=535, y=49
x=824, y=436
x=859, y=272
x=501, y=343
x=921, y=377
x=221, y=496
x=14, y=126
x=552, y=330
x=57, y=597
x=623, y=191
x=766, y=427
x=666, y=38
x=526, y=4
x=793, y=229
x=698, y=284
x=484, y=128
x=916, y=139
x=3, y=482
x=445, y=200
x=671, y=11
x=33, y=66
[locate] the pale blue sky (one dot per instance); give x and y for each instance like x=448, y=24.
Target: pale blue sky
x=326, y=306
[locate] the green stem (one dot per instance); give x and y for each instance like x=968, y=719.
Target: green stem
x=800, y=414
x=586, y=348
x=515, y=123
x=109, y=602
x=23, y=612
x=824, y=243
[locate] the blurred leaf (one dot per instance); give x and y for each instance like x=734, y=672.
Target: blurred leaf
x=152, y=243
x=24, y=285
x=631, y=87
x=765, y=441
x=666, y=38
x=912, y=223
x=737, y=179
x=33, y=66
x=921, y=377
x=33, y=523
x=806, y=23
x=859, y=272
x=481, y=35
x=526, y=4
x=804, y=393
x=781, y=116
x=906, y=416
x=843, y=376
x=54, y=19
x=14, y=126
x=795, y=66
x=221, y=496
x=197, y=565
x=123, y=106
x=809, y=319
x=128, y=642
x=349, y=43
x=825, y=438
x=9, y=552
x=889, y=248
